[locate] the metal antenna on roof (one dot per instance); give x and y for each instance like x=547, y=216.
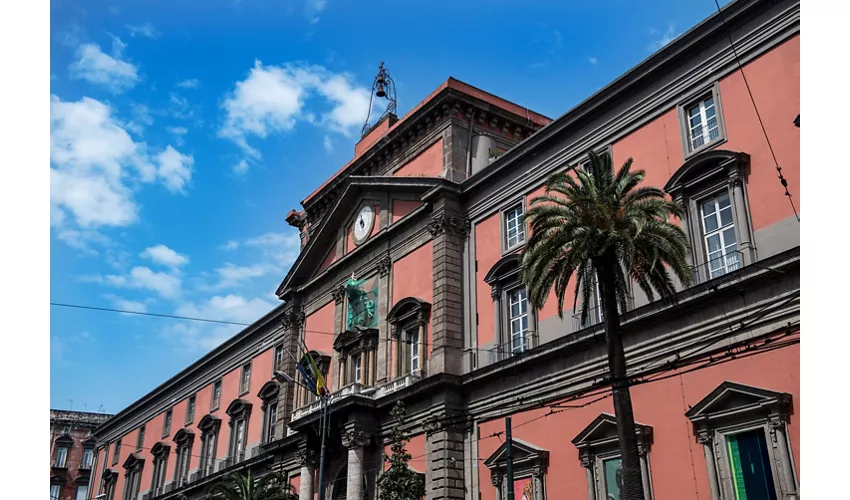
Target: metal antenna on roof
x=383, y=87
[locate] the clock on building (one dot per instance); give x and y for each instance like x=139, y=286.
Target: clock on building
x=363, y=224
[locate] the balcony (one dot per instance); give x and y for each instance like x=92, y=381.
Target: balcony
x=718, y=266
x=594, y=317
x=508, y=349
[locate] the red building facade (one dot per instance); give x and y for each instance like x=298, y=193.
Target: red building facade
x=72, y=450
x=428, y=218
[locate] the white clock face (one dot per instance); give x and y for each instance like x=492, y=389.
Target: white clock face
x=363, y=223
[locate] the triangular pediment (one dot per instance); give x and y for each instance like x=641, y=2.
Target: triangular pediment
x=603, y=430
x=522, y=453
x=732, y=398
x=324, y=237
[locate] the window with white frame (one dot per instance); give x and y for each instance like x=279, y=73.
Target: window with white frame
x=209, y=427
x=413, y=339
x=271, y=421
x=183, y=439
x=701, y=121
x=357, y=368
x=61, y=459
x=87, y=459
x=409, y=319
x=268, y=394
x=278, y=357
x=160, y=452
x=518, y=319
x=54, y=491
x=514, y=227
x=245, y=380
x=718, y=229
x=82, y=492
x=239, y=411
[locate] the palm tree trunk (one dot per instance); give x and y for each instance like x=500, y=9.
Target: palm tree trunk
x=632, y=488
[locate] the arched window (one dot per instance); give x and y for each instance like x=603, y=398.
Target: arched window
x=408, y=320
x=132, y=476
x=712, y=187
x=159, y=452
x=514, y=320
x=268, y=395
x=209, y=427
x=109, y=479
x=183, y=439
x=239, y=412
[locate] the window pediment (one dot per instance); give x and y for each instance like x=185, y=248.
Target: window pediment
x=238, y=407
x=409, y=310
x=209, y=423
x=133, y=461
x=505, y=269
x=523, y=455
x=603, y=432
x=731, y=399
x=160, y=448
x=183, y=436
x=54, y=479
x=705, y=166
x=65, y=440
x=268, y=391
x=356, y=338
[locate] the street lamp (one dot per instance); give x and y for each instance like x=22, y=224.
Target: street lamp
x=283, y=377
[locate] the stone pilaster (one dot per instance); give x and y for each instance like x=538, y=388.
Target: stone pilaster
x=455, y=148
x=382, y=364
x=587, y=463
x=292, y=321
x=356, y=442
x=445, y=463
x=705, y=438
x=448, y=229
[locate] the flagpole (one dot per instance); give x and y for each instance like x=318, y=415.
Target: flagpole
x=323, y=424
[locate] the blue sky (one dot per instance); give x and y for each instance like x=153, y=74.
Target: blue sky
x=183, y=131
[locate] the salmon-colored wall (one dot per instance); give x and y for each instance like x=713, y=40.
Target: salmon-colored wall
x=655, y=148
x=330, y=258
x=774, y=80
x=349, y=245
x=662, y=405
x=319, y=332
x=488, y=251
x=404, y=207
x=229, y=392
x=261, y=372
x=295, y=481
x=416, y=448
x=428, y=163
x=203, y=398
x=413, y=276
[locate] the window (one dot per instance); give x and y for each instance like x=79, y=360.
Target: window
x=190, y=410
x=215, y=400
x=132, y=477
x=108, y=484
x=409, y=320
x=82, y=492
x=599, y=452
x=357, y=368
x=514, y=227
x=278, y=358
x=183, y=438
x=711, y=187
x=166, y=425
x=245, y=380
x=701, y=122
x=54, y=491
x=239, y=411
x=518, y=319
x=61, y=459
x=87, y=459
x=209, y=427
x=271, y=421
x=268, y=395
x=745, y=442
x=718, y=229
x=413, y=339
x=140, y=440
x=160, y=463
x=529, y=471
x=115, y=451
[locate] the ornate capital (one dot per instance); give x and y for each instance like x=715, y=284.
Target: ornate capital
x=445, y=422
x=537, y=471
x=643, y=449
x=338, y=294
x=704, y=437
x=354, y=439
x=735, y=178
x=776, y=422
x=450, y=224
x=496, y=291
x=586, y=460
x=292, y=319
x=496, y=479
x=306, y=457
x=384, y=265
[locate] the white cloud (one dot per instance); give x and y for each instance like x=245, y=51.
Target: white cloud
x=663, y=38
x=191, y=83
x=272, y=99
x=231, y=275
x=96, y=166
x=177, y=130
x=328, y=143
x=95, y=66
x=592, y=60
x=140, y=277
x=313, y=8
x=161, y=254
x=230, y=245
x=146, y=30
x=175, y=169
x=240, y=168
x=128, y=305
x=83, y=240
x=234, y=308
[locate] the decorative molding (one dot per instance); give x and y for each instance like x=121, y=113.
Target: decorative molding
x=586, y=460
x=705, y=437
x=537, y=471
x=496, y=480
x=384, y=265
x=355, y=439
x=292, y=319
x=338, y=294
x=496, y=291
x=446, y=422
x=445, y=222
x=306, y=457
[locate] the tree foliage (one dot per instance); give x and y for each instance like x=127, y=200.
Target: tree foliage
x=399, y=482
x=243, y=486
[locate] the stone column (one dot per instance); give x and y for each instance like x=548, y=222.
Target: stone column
x=445, y=463
x=644, y=471
x=496, y=479
x=307, y=460
x=587, y=463
x=537, y=479
x=742, y=225
x=777, y=431
x=292, y=321
x=496, y=295
x=448, y=229
x=355, y=441
x=706, y=439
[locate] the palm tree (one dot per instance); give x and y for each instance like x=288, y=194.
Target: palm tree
x=604, y=229
x=239, y=486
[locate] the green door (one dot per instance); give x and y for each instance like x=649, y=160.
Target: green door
x=752, y=477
